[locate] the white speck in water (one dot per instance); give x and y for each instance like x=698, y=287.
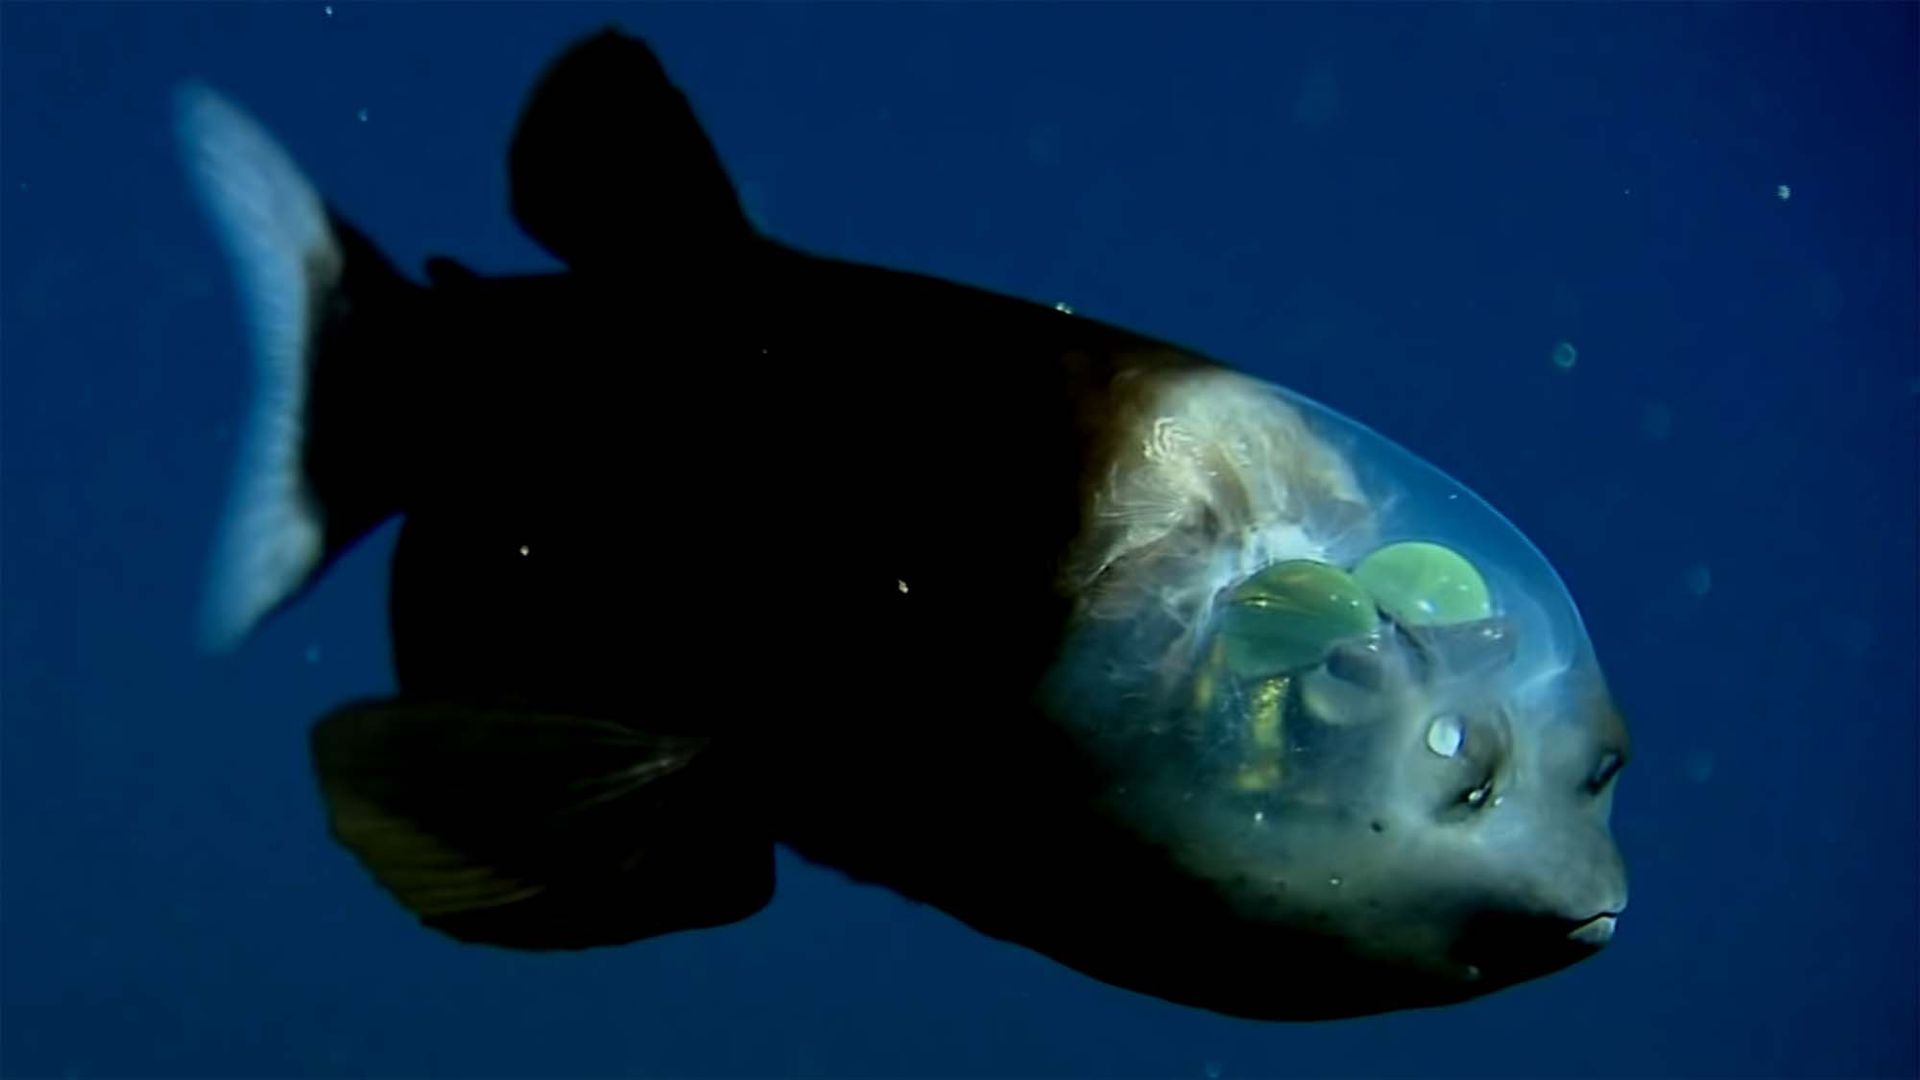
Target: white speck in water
x=1656, y=421
x=313, y=654
x=1259, y=816
x=1334, y=881
x=329, y=10
x=1061, y=306
x=362, y=114
x=1564, y=356
x=903, y=586
x=525, y=550
x=1699, y=579
x=1212, y=1070
x=1783, y=193
x=1043, y=145
x=1849, y=636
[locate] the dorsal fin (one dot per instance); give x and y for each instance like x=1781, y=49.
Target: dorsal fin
x=610, y=169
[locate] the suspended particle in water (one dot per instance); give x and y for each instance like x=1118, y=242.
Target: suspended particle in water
x=329, y=10
x=1564, y=355
x=1699, y=579
x=313, y=654
x=1848, y=635
x=1656, y=421
x=362, y=114
x=1043, y=145
x=1783, y=193
x=1061, y=307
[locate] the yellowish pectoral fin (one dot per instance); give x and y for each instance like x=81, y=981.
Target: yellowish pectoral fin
x=538, y=831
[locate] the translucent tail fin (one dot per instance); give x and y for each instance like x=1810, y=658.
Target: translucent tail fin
x=295, y=265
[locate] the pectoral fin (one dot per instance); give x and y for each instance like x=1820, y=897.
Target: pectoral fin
x=538, y=831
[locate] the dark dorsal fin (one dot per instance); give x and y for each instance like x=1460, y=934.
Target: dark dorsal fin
x=610, y=169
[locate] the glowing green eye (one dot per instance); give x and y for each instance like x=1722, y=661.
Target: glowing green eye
x=1424, y=584
x=1288, y=615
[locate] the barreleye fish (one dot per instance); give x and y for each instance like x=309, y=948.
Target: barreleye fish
x=710, y=544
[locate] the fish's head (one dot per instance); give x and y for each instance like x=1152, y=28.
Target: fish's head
x=1359, y=709
x=1406, y=801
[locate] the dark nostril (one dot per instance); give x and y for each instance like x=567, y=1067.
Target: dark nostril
x=1605, y=770
x=1359, y=663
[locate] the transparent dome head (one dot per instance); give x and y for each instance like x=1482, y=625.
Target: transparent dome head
x=1254, y=560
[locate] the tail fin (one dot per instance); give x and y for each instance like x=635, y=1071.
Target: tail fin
x=319, y=299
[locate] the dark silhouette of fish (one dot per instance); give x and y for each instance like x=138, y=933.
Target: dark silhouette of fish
x=711, y=544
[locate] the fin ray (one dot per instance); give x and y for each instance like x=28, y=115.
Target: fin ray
x=541, y=831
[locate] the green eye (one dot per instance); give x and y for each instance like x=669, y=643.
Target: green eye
x=1287, y=616
x=1424, y=584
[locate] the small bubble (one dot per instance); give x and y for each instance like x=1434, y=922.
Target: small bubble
x=1656, y=421
x=1043, y=145
x=1316, y=104
x=1564, y=356
x=1851, y=636
x=1699, y=579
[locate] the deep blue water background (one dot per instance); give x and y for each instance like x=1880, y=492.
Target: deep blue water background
x=1399, y=210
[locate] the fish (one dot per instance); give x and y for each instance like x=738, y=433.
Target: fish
x=710, y=545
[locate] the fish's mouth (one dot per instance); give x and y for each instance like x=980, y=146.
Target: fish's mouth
x=1596, y=931
x=1509, y=947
